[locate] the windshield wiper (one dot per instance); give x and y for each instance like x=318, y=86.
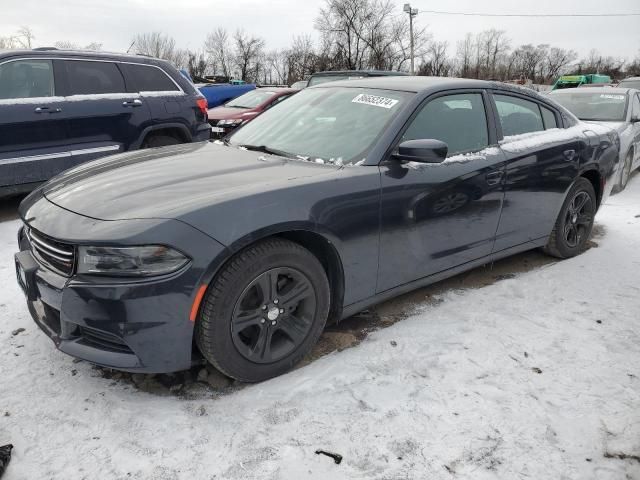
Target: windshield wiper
x=268, y=150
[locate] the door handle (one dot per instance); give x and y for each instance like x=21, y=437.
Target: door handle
x=569, y=155
x=47, y=110
x=494, y=178
x=132, y=103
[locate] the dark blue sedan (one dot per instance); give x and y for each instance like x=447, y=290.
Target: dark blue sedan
x=343, y=196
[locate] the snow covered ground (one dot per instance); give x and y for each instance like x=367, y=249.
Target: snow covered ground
x=535, y=377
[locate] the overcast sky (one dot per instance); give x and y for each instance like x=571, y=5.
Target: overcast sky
x=114, y=22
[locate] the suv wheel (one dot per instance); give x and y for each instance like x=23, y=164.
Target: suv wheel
x=264, y=311
x=154, y=141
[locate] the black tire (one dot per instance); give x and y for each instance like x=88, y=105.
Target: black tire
x=626, y=170
x=234, y=330
x=574, y=223
x=155, y=141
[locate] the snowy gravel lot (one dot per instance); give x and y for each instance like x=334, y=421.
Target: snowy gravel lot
x=532, y=377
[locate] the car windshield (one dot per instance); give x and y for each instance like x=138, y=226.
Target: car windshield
x=586, y=105
x=324, y=125
x=250, y=99
x=630, y=84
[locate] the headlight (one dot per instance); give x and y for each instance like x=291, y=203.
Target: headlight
x=231, y=122
x=142, y=261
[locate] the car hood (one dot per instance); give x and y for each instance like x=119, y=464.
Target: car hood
x=174, y=181
x=224, y=113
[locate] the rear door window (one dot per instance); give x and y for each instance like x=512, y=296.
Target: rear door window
x=549, y=118
x=93, y=78
x=459, y=120
x=144, y=78
x=26, y=79
x=518, y=116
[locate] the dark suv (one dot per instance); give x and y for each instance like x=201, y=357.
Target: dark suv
x=60, y=108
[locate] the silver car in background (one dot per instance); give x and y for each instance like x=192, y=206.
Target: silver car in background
x=618, y=108
x=630, y=82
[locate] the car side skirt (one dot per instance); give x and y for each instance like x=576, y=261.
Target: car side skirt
x=354, y=308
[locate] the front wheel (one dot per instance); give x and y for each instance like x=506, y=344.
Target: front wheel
x=264, y=311
x=574, y=223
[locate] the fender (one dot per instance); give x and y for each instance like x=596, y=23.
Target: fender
x=161, y=126
x=290, y=228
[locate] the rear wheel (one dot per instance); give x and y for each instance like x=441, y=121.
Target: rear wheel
x=575, y=221
x=626, y=170
x=160, y=141
x=264, y=311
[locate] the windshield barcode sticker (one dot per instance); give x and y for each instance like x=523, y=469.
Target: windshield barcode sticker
x=374, y=100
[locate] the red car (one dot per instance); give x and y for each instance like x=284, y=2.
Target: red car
x=244, y=108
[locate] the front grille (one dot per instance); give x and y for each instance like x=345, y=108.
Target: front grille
x=57, y=255
x=213, y=122
x=103, y=340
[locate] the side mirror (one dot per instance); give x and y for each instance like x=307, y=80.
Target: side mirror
x=635, y=119
x=422, y=151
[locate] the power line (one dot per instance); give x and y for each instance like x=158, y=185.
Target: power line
x=477, y=14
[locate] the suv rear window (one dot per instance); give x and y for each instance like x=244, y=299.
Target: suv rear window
x=26, y=79
x=144, y=78
x=91, y=78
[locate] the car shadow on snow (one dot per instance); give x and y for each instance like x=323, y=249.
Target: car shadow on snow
x=204, y=381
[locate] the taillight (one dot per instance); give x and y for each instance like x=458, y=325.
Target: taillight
x=202, y=105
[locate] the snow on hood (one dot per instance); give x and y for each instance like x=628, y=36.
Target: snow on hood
x=619, y=126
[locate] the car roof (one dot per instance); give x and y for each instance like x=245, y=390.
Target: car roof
x=630, y=78
x=61, y=53
x=276, y=89
x=592, y=90
x=378, y=73
x=418, y=84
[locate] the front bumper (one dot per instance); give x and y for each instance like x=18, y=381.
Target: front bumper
x=220, y=132
x=137, y=325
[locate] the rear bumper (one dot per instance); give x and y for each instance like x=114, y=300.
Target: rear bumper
x=135, y=325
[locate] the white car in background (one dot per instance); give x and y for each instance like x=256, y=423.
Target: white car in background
x=618, y=108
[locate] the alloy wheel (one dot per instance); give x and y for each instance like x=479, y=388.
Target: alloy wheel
x=273, y=315
x=578, y=219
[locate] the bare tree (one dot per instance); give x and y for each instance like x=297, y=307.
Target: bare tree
x=464, y=56
x=342, y=22
x=302, y=58
x=248, y=52
x=595, y=62
x=218, y=48
x=557, y=60
x=529, y=61
x=436, y=62
x=160, y=45
x=197, y=64
x=275, y=67
x=23, y=38
x=67, y=45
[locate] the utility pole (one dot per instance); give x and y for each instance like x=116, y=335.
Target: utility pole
x=412, y=13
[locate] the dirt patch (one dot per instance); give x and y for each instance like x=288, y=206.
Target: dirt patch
x=353, y=330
